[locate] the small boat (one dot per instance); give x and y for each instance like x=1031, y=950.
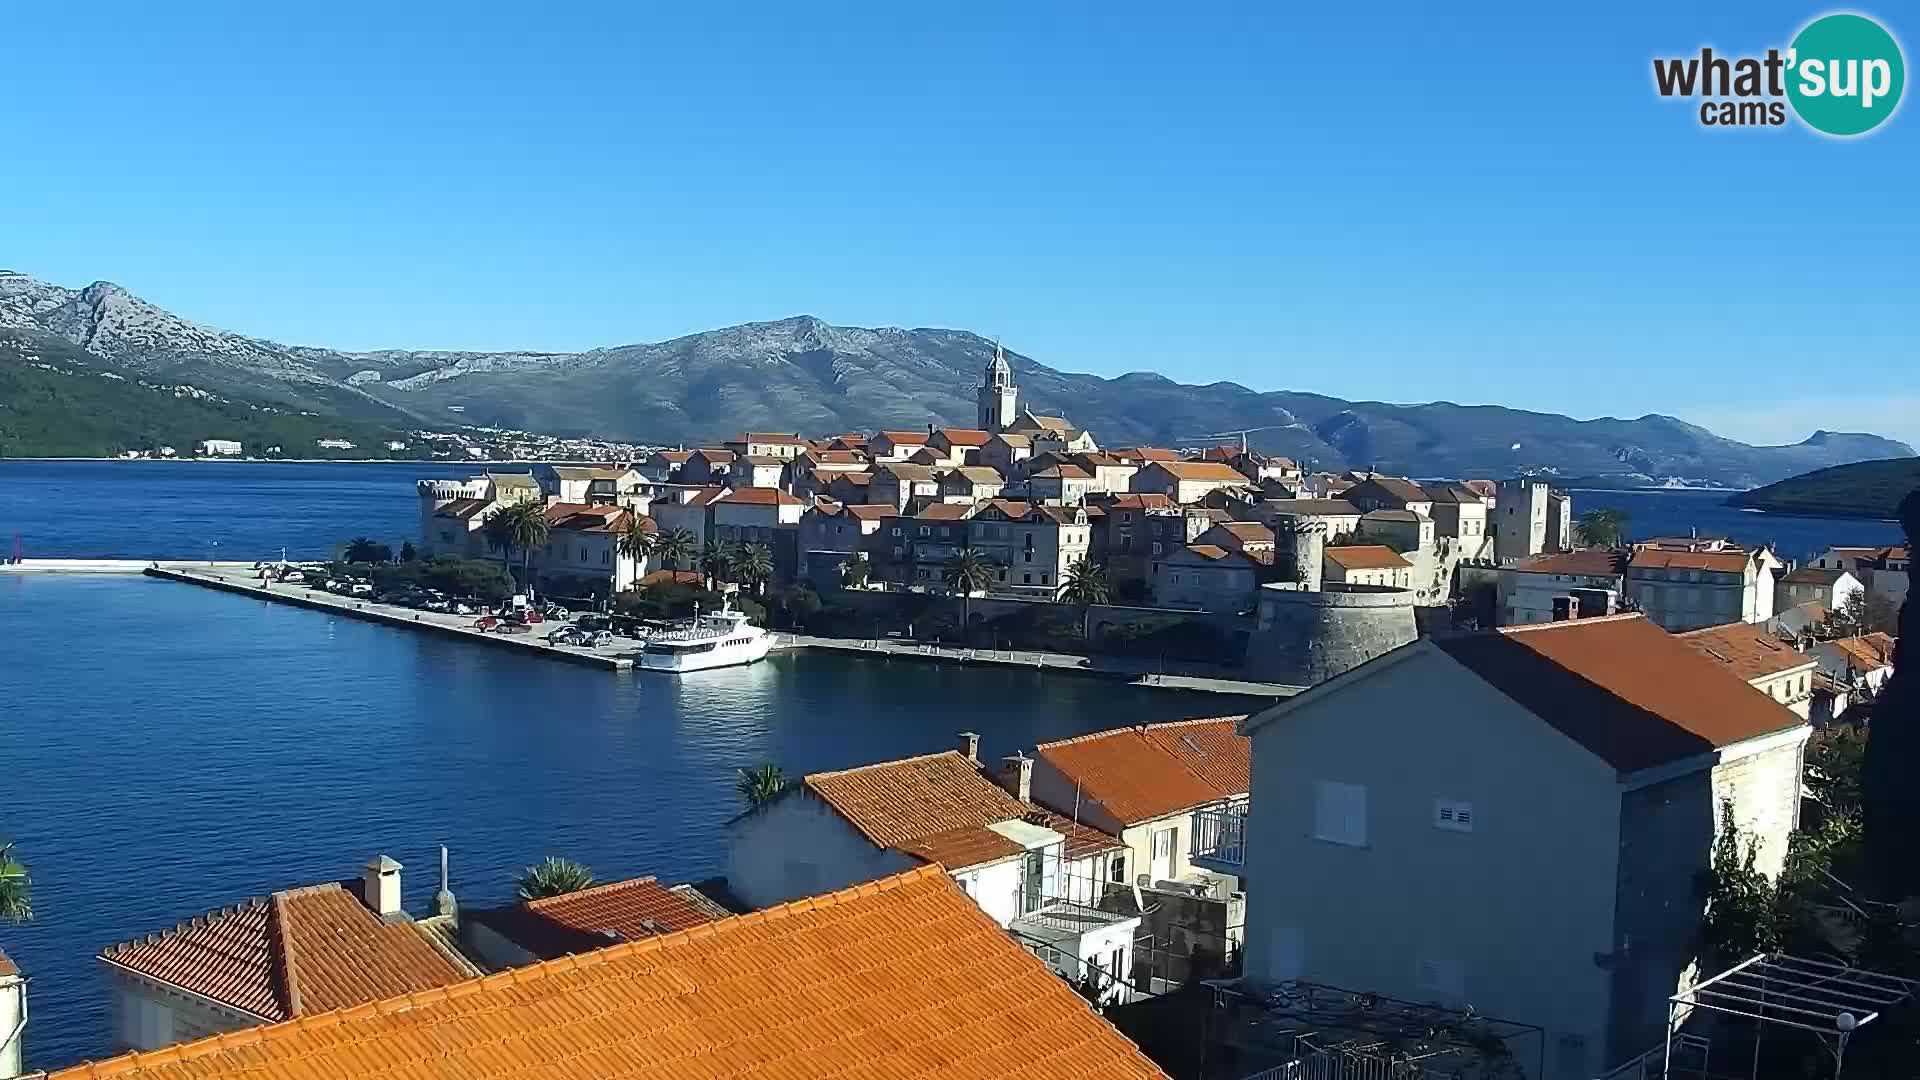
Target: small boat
x=708, y=640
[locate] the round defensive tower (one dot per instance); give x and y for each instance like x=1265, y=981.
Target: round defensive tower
x=1309, y=549
x=1305, y=636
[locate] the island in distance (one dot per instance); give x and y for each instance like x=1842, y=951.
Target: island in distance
x=1866, y=489
x=802, y=374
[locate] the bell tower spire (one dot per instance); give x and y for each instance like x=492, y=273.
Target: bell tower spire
x=997, y=396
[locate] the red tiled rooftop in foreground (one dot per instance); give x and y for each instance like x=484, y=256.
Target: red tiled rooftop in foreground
x=1749, y=650
x=595, y=917
x=293, y=953
x=1148, y=772
x=900, y=978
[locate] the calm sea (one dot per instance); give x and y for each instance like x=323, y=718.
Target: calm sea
x=1675, y=513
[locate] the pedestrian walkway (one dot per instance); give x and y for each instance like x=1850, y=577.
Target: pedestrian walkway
x=1138, y=673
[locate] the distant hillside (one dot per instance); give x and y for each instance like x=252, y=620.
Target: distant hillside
x=1870, y=489
x=801, y=374
x=52, y=404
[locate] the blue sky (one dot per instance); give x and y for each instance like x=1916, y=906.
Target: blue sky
x=1488, y=205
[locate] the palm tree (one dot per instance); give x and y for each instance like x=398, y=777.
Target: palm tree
x=521, y=527
x=641, y=539
x=1603, y=527
x=754, y=564
x=759, y=784
x=362, y=549
x=676, y=549
x=551, y=877
x=1086, y=586
x=969, y=572
x=716, y=562
x=16, y=888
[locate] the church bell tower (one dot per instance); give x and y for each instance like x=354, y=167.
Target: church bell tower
x=997, y=395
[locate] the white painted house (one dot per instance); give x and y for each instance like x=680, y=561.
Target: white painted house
x=1514, y=820
x=1039, y=875
x=1832, y=588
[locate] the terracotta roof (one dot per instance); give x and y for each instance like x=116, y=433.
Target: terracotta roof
x=715, y=455
x=1145, y=500
x=1486, y=489
x=772, y=438
x=1749, y=650
x=677, y=457
x=1394, y=487
x=1724, y=562
x=1590, y=562
x=596, y=917
x=977, y=474
x=964, y=436
x=1248, y=532
x=1814, y=575
x=905, y=470
x=588, y=472
x=858, y=479
x=909, y=438
x=513, y=481
x=294, y=953
x=1144, y=773
x=902, y=977
x=1014, y=439
x=1147, y=453
x=1629, y=692
x=945, y=512
x=1366, y=557
x=1058, y=425
x=7, y=967
x=838, y=457
x=1063, y=472
x=1867, y=652
x=967, y=845
x=1201, y=470
x=898, y=802
x=926, y=455
x=463, y=508
x=1208, y=551
x=1451, y=492
x=1311, y=507
x=1097, y=460
x=763, y=496
x=584, y=517
x=763, y=459
x=872, y=511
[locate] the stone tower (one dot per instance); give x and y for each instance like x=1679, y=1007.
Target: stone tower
x=997, y=396
x=1309, y=548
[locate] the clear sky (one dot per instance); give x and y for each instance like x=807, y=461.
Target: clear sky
x=1394, y=201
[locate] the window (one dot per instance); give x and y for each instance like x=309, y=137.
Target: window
x=606, y=557
x=1340, y=813
x=1026, y=579
x=1453, y=815
x=1156, y=547
x=1043, y=579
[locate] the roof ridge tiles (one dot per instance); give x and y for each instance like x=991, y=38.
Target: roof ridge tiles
x=591, y=890
x=280, y=961
x=1513, y=631
x=882, y=764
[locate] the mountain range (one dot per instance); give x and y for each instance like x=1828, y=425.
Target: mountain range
x=802, y=374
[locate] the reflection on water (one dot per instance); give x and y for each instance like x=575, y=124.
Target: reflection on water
x=175, y=749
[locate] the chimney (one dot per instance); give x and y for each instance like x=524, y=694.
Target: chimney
x=443, y=903
x=970, y=745
x=1016, y=775
x=13, y=1018
x=380, y=887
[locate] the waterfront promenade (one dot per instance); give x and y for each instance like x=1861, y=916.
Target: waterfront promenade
x=243, y=579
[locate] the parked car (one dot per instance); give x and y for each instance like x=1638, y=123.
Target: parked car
x=360, y=588
x=593, y=622
x=597, y=638
x=566, y=635
x=512, y=628
x=486, y=622
x=461, y=607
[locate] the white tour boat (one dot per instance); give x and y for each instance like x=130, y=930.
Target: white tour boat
x=709, y=640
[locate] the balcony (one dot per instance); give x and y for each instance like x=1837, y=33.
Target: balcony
x=1220, y=837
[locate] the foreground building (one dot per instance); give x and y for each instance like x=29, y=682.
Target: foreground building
x=1515, y=820
x=293, y=954
x=1034, y=872
x=901, y=977
x=583, y=920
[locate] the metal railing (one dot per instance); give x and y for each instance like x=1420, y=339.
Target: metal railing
x=1220, y=834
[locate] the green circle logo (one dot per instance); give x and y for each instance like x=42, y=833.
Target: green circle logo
x=1845, y=74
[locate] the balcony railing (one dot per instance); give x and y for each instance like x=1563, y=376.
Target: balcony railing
x=1220, y=835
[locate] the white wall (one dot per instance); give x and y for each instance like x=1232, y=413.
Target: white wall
x=1510, y=914
x=13, y=1005
x=798, y=846
x=996, y=887
x=148, y=1016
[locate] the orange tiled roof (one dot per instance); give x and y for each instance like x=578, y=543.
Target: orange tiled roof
x=1867, y=652
x=294, y=953
x=1143, y=773
x=903, y=977
x=1749, y=650
x=1634, y=695
x=897, y=802
x=6, y=966
x=762, y=496
x=596, y=917
x=1202, y=470
x=1588, y=562
x=964, y=436
x=1724, y=562
x=904, y=438
x=1366, y=557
